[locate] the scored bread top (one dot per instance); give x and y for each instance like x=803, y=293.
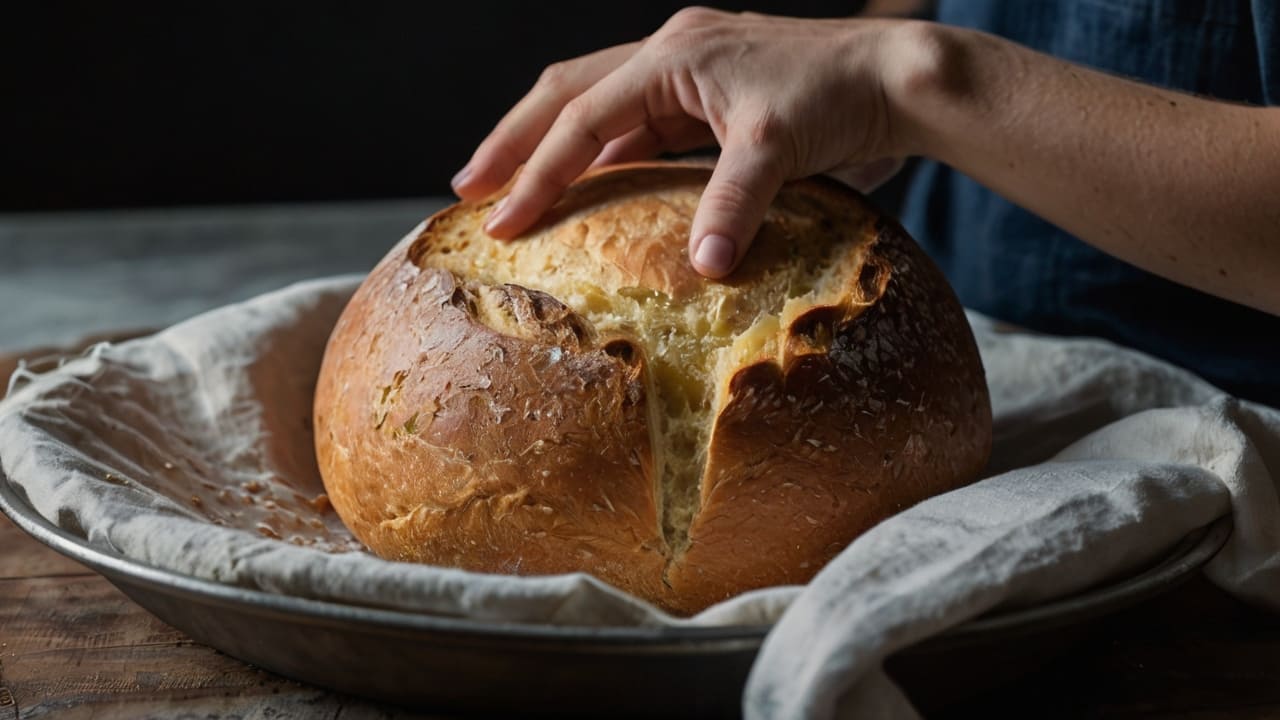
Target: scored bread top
x=581, y=399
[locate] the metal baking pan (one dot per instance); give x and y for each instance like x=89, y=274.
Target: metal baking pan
x=455, y=665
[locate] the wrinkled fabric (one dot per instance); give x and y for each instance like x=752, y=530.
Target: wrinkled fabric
x=191, y=451
x=1103, y=455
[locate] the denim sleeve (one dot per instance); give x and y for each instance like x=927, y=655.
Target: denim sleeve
x=1013, y=265
x=1266, y=25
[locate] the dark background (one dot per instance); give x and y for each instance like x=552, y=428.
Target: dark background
x=146, y=104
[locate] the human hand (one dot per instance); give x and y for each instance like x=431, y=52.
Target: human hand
x=784, y=98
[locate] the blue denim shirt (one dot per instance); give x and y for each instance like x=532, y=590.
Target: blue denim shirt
x=1012, y=265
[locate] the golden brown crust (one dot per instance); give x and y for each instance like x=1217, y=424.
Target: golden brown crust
x=488, y=426
x=443, y=441
x=871, y=412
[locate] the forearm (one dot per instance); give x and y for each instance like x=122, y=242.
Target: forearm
x=1181, y=186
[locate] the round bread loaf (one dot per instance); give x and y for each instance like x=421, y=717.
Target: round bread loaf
x=581, y=400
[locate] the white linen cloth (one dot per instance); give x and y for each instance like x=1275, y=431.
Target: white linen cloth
x=1104, y=458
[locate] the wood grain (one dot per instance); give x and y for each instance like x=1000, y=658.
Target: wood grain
x=72, y=646
x=1195, y=652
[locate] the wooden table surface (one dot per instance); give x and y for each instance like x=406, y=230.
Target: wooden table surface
x=72, y=646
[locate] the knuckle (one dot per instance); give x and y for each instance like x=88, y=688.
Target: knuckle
x=575, y=113
x=554, y=76
x=682, y=46
x=691, y=17
x=503, y=150
x=690, y=30
x=766, y=129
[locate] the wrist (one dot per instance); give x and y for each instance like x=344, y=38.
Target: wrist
x=924, y=75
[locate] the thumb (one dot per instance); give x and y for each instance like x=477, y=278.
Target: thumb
x=744, y=183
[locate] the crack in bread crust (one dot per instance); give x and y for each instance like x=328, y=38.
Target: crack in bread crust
x=619, y=283
x=681, y=438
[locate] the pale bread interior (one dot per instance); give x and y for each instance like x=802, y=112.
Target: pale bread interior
x=692, y=344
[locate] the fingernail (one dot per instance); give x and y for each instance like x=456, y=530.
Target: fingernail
x=715, y=254
x=495, y=216
x=461, y=177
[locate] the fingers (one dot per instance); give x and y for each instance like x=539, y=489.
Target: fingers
x=516, y=136
x=678, y=134
x=641, y=143
x=609, y=109
x=744, y=183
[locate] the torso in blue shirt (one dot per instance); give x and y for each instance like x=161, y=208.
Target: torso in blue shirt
x=1012, y=265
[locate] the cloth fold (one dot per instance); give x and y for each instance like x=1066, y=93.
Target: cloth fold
x=191, y=451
